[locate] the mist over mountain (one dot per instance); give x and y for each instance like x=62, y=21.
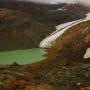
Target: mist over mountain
x=85, y=2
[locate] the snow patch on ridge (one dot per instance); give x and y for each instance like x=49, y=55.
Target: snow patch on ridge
x=60, y=29
x=61, y=9
x=87, y=54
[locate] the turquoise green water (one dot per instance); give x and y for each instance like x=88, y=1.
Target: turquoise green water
x=22, y=56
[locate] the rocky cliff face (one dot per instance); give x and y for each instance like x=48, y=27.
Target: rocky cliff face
x=74, y=42
x=19, y=30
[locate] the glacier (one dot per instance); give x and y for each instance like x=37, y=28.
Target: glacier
x=60, y=29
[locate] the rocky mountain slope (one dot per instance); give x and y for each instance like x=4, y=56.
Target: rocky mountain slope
x=56, y=13
x=26, y=24
x=64, y=69
x=19, y=30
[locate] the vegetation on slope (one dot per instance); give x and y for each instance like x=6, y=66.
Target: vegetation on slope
x=19, y=30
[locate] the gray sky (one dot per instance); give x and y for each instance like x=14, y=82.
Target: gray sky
x=87, y=2
x=50, y=1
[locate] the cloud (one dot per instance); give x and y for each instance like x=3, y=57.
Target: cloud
x=86, y=2
x=50, y=1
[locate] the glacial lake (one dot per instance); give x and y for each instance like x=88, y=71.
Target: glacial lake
x=25, y=56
